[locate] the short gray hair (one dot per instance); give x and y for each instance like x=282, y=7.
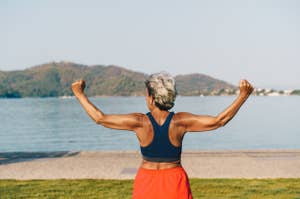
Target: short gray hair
x=161, y=86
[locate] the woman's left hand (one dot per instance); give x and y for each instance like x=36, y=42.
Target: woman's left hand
x=78, y=87
x=245, y=88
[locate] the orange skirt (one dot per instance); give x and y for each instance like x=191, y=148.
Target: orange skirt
x=170, y=183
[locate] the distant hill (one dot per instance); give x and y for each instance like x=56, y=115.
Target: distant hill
x=55, y=79
x=199, y=84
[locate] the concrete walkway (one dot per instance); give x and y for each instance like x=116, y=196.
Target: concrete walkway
x=124, y=164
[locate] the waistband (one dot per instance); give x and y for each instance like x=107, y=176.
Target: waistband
x=161, y=159
x=167, y=170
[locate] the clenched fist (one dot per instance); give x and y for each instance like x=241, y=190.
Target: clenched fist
x=245, y=88
x=78, y=87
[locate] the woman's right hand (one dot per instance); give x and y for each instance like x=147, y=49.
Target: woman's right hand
x=245, y=88
x=78, y=87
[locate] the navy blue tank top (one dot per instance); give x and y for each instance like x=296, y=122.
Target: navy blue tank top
x=161, y=149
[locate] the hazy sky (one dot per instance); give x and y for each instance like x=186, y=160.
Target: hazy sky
x=231, y=39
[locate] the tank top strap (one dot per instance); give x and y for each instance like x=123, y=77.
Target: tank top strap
x=168, y=120
x=152, y=120
x=166, y=123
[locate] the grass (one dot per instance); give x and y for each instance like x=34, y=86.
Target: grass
x=108, y=189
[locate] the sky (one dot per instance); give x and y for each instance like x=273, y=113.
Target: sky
x=257, y=40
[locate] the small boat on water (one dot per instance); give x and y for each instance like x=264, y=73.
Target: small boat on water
x=66, y=97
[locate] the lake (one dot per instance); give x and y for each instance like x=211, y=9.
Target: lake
x=56, y=124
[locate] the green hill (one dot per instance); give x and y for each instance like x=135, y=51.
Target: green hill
x=199, y=84
x=55, y=79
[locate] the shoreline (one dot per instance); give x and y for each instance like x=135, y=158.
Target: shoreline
x=275, y=163
x=140, y=96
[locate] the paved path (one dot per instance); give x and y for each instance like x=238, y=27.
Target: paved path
x=124, y=164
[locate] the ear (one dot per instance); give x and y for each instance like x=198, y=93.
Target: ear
x=152, y=100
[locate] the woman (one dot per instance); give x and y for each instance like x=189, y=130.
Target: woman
x=160, y=134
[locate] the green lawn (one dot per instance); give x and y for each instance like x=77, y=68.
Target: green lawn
x=201, y=188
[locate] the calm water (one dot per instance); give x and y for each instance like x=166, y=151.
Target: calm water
x=54, y=124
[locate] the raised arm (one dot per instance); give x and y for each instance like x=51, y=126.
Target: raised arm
x=116, y=121
x=192, y=122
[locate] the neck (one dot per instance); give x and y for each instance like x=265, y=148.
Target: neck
x=157, y=111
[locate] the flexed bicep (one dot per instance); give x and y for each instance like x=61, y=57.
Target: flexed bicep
x=128, y=122
x=197, y=123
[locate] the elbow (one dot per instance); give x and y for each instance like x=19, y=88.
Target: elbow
x=220, y=122
x=100, y=120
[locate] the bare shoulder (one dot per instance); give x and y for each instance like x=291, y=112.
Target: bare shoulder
x=183, y=114
x=181, y=117
x=138, y=116
x=141, y=118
